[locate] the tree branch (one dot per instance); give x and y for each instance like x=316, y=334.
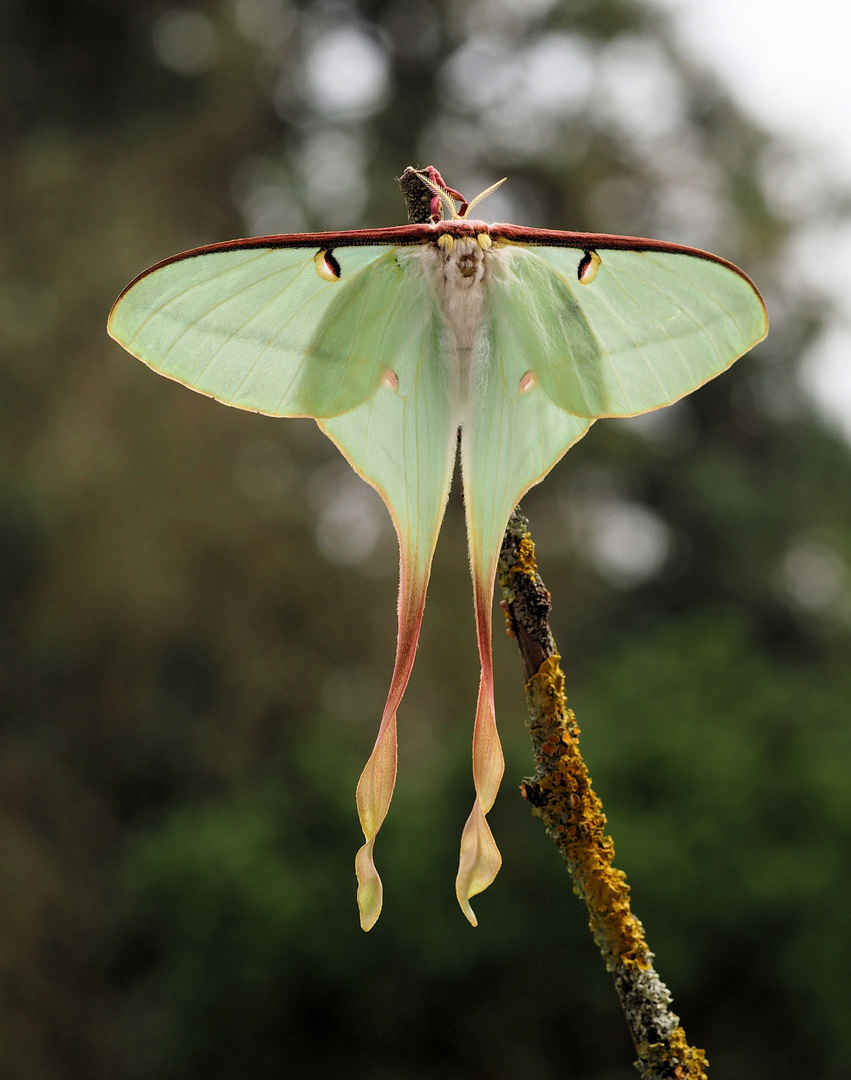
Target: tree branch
x=561, y=794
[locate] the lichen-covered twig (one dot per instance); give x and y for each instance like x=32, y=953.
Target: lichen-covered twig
x=561, y=794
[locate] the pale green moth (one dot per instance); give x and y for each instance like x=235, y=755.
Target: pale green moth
x=396, y=339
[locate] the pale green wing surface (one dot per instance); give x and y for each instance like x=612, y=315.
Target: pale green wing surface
x=260, y=329
x=403, y=441
x=536, y=318
x=512, y=441
x=380, y=321
x=647, y=328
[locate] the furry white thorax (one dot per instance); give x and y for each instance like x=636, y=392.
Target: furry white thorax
x=464, y=271
x=459, y=277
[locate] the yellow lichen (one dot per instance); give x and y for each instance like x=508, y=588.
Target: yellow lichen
x=523, y=563
x=679, y=1060
x=575, y=819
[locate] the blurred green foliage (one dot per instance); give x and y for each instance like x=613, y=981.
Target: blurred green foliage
x=198, y=604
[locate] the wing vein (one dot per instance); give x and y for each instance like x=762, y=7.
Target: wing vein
x=195, y=285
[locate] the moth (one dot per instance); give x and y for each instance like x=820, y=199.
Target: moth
x=399, y=340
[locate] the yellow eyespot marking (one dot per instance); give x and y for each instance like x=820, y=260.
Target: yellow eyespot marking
x=326, y=265
x=390, y=379
x=446, y=241
x=529, y=380
x=588, y=267
x=484, y=241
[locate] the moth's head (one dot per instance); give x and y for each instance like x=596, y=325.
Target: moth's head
x=430, y=199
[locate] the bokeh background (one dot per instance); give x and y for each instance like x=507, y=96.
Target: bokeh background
x=198, y=604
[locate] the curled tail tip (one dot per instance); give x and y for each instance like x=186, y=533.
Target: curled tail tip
x=370, y=889
x=464, y=902
x=369, y=917
x=375, y=789
x=479, y=862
